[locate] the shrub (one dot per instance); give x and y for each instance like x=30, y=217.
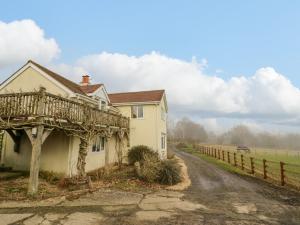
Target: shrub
x=141, y=153
x=149, y=171
x=169, y=172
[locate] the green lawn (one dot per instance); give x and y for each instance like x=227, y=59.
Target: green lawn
x=276, y=155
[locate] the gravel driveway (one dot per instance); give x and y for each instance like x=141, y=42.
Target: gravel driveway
x=215, y=197
x=237, y=199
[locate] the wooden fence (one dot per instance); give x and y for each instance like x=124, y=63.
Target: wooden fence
x=285, y=174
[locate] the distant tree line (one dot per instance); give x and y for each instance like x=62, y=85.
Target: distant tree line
x=186, y=130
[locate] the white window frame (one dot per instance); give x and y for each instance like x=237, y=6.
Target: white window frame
x=163, y=140
x=98, y=144
x=136, y=108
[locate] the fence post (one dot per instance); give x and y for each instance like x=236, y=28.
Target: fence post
x=223, y=157
x=252, y=165
x=234, y=158
x=282, y=173
x=265, y=168
x=242, y=161
x=219, y=154
x=228, y=157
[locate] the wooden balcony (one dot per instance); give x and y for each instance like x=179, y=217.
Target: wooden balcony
x=31, y=108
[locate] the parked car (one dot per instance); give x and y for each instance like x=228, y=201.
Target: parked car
x=242, y=148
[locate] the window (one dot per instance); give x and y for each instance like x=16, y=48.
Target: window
x=103, y=105
x=163, y=141
x=98, y=144
x=163, y=114
x=137, y=111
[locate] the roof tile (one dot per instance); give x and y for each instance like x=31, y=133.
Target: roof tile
x=69, y=84
x=141, y=96
x=88, y=89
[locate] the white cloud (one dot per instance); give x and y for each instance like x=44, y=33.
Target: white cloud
x=267, y=94
x=22, y=40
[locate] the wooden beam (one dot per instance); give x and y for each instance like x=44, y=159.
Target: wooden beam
x=36, y=139
x=46, y=134
x=36, y=142
x=28, y=131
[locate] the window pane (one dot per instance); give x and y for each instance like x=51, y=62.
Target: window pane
x=140, y=112
x=133, y=111
x=163, y=141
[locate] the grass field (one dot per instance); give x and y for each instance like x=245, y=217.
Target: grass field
x=276, y=155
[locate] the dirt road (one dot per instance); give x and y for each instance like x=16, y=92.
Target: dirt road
x=215, y=197
x=235, y=199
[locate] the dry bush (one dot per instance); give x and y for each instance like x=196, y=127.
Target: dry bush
x=169, y=172
x=139, y=153
x=149, y=170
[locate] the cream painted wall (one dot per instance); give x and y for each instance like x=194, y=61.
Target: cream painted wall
x=54, y=155
x=142, y=130
x=31, y=80
x=147, y=130
x=94, y=160
x=113, y=156
x=161, y=128
x=55, y=152
x=21, y=160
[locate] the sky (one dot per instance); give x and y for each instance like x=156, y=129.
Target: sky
x=221, y=62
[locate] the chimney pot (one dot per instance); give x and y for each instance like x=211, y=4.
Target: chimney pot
x=85, y=80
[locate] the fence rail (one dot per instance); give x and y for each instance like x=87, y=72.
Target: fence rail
x=285, y=174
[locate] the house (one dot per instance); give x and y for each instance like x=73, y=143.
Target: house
x=54, y=124
x=60, y=151
x=148, y=113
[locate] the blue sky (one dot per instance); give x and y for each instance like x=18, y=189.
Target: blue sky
x=221, y=62
x=235, y=36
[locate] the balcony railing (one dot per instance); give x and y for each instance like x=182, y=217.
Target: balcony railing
x=55, y=108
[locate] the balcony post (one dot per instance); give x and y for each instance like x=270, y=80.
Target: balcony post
x=36, y=138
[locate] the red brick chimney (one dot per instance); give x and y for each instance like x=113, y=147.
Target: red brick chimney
x=85, y=80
